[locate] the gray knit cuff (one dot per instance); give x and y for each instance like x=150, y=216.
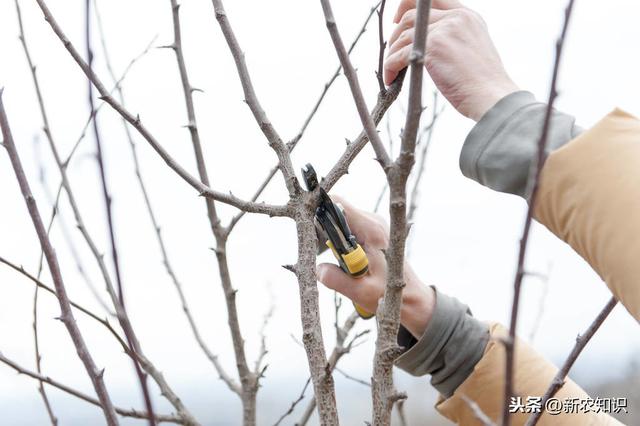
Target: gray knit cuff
x=450, y=347
x=500, y=149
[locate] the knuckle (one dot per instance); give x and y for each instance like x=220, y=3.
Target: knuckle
x=437, y=42
x=406, y=36
x=409, y=17
x=466, y=16
x=380, y=232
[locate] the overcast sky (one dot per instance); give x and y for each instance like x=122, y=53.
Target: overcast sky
x=464, y=240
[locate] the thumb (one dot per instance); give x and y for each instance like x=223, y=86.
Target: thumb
x=334, y=278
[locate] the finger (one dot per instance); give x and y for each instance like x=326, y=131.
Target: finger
x=406, y=5
x=409, y=21
x=364, y=225
x=363, y=291
x=334, y=278
x=403, y=40
x=396, y=63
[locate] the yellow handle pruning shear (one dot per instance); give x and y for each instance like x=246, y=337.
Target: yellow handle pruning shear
x=332, y=228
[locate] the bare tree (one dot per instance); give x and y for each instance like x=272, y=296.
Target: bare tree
x=300, y=207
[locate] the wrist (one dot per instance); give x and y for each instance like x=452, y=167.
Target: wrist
x=489, y=97
x=418, y=304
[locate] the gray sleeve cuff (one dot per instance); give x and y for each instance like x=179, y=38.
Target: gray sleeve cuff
x=500, y=149
x=450, y=347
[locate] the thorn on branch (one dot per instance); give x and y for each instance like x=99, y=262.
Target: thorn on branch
x=291, y=268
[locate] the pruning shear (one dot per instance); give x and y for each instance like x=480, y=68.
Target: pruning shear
x=333, y=230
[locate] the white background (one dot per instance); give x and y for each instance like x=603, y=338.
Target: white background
x=464, y=240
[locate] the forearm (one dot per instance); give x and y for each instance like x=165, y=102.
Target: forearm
x=497, y=153
x=590, y=183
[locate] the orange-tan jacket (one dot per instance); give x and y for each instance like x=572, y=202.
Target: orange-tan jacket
x=589, y=197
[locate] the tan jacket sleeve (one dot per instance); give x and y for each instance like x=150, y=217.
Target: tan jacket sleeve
x=590, y=198
x=533, y=374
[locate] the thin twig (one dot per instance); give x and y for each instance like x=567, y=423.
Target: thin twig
x=385, y=100
x=581, y=341
x=275, y=142
x=383, y=191
x=122, y=316
x=166, y=418
x=36, y=337
x=354, y=84
x=36, y=341
x=56, y=213
x=94, y=113
x=294, y=403
x=85, y=311
x=258, y=368
x=533, y=182
x=383, y=45
x=294, y=142
x=352, y=378
x=248, y=380
x=136, y=122
x=425, y=138
x=66, y=314
x=154, y=221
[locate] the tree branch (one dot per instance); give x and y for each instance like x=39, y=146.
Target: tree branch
x=385, y=100
x=118, y=83
x=388, y=314
x=136, y=122
x=57, y=213
x=305, y=270
x=122, y=316
x=85, y=311
x=425, y=138
x=36, y=342
x=581, y=342
x=294, y=403
x=352, y=378
x=383, y=45
x=66, y=316
x=294, y=142
x=354, y=84
x=533, y=181
x=165, y=389
x=248, y=379
x=167, y=418
x=337, y=353
x=36, y=337
x=275, y=142
x=157, y=229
